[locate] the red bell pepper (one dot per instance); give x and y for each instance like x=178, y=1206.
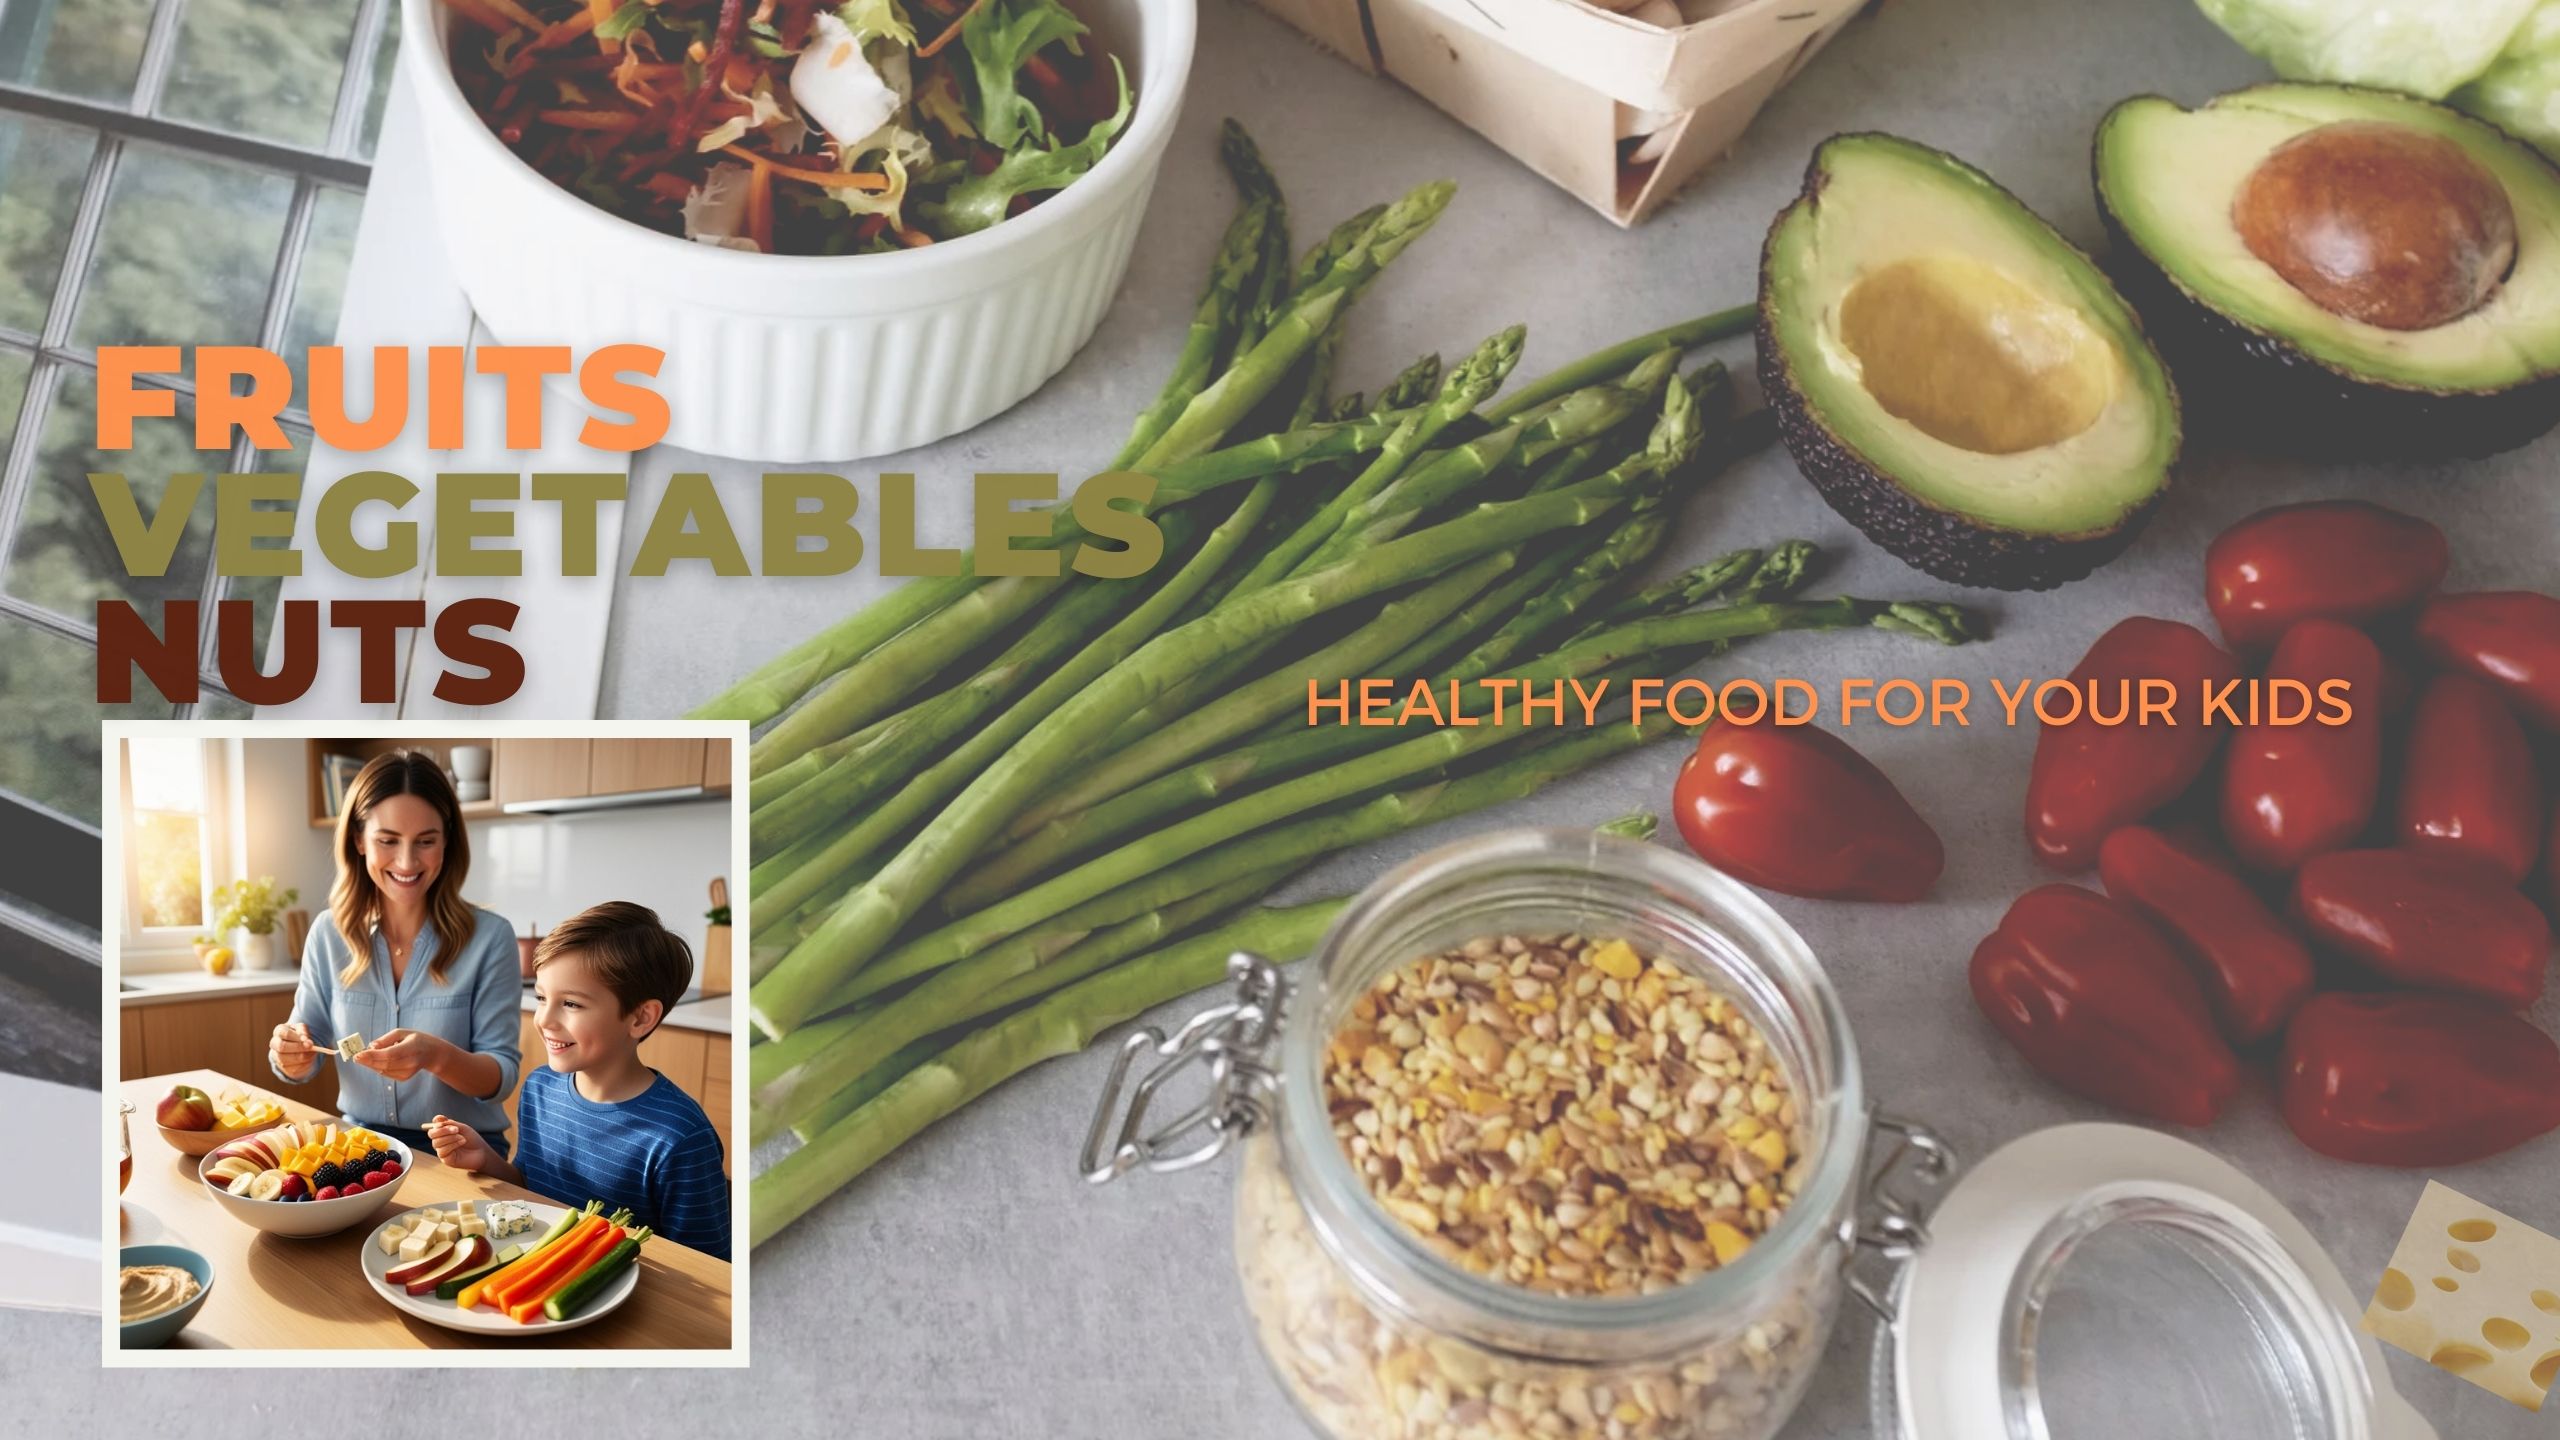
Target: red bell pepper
x=2253, y=969
x=2467, y=783
x=2437, y=922
x=1797, y=810
x=2331, y=559
x=2290, y=792
x=2098, y=1003
x=2090, y=778
x=2510, y=638
x=2416, y=1079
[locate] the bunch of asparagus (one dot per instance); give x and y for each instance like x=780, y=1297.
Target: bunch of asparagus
x=993, y=817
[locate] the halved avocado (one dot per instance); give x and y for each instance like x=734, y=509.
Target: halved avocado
x=1956, y=379
x=2288, y=370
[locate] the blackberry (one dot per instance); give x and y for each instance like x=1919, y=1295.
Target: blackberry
x=327, y=1174
x=372, y=1161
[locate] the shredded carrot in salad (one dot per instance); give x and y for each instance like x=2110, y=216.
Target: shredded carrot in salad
x=688, y=115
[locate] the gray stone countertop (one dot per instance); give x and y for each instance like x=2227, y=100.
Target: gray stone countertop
x=971, y=1287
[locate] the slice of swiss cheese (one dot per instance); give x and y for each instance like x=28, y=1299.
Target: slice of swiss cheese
x=2476, y=1292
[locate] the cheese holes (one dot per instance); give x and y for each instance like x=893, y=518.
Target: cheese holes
x=2395, y=1292
x=2463, y=1260
x=2505, y=1333
x=2472, y=1232
x=2458, y=1357
x=2546, y=1370
x=2546, y=1301
x=2447, y=1284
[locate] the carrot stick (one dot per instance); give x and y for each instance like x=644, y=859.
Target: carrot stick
x=504, y=1290
x=471, y=1293
x=523, y=1309
x=830, y=179
x=934, y=46
x=760, y=207
x=591, y=119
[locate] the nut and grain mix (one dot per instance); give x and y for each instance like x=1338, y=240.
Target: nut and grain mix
x=1561, y=1113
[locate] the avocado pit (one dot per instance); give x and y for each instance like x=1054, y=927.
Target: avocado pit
x=2379, y=222
x=1970, y=356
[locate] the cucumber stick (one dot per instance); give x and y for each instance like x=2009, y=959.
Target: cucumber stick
x=577, y=1293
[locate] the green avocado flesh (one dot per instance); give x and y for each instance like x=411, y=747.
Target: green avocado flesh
x=2168, y=176
x=1925, y=333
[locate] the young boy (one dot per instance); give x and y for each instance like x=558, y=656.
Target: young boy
x=594, y=1122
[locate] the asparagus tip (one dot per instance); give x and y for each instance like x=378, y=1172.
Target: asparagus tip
x=1947, y=624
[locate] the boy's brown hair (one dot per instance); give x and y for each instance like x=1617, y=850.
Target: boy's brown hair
x=637, y=958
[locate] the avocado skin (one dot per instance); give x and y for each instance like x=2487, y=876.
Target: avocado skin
x=1926, y=537
x=2260, y=391
x=1929, y=538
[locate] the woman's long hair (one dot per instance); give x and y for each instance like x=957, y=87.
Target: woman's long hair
x=355, y=902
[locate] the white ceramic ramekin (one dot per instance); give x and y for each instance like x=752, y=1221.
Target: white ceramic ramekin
x=785, y=357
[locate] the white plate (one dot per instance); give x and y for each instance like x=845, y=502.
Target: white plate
x=479, y=1320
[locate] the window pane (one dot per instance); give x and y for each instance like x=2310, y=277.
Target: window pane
x=254, y=67
x=260, y=590
x=322, y=285
x=64, y=559
x=89, y=48
x=15, y=366
x=385, y=56
x=41, y=167
x=186, y=252
x=166, y=805
x=48, y=723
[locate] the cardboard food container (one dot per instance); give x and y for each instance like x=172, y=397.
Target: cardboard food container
x=1620, y=111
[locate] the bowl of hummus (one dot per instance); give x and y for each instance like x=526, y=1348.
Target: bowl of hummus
x=159, y=1288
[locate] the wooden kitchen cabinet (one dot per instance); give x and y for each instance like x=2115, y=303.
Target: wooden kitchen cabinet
x=716, y=1091
x=541, y=769
x=266, y=1012
x=618, y=767
x=715, y=766
x=210, y=1034
x=132, y=1062
x=678, y=1055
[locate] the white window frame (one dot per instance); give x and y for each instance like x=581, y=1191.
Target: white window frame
x=172, y=947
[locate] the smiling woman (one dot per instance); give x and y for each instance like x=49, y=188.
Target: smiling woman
x=403, y=959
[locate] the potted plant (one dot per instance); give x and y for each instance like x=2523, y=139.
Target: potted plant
x=203, y=944
x=253, y=907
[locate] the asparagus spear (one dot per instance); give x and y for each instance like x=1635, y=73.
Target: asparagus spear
x=830, y=861
x=1258, y=370
x=1066, y=1022
x=869, y=916
x=844, y=786
x=773, y=686
x=1170, y=740
x=1215, y=321
x=1464, y=388
x=1617, y=359
x=794, y=1083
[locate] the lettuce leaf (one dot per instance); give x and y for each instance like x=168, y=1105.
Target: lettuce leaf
x=876, y=19
x=999, y=36
x=2425, y=47
x=978, y=201
x=2520, y=91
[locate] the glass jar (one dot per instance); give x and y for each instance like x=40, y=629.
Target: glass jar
x=1374, y=1333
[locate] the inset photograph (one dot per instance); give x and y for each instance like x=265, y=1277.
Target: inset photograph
x=419, y=1041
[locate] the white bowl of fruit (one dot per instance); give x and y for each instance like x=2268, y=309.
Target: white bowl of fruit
x=306, y=1177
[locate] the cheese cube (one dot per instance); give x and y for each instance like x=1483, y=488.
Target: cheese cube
x=446, y=1231
x=466, y=1208
x=391, y=1237
x=2476, y=1292
x=349, y=1044
x=420, y=1241
x=473, y=1225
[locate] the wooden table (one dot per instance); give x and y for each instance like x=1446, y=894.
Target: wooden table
x=274, y=1292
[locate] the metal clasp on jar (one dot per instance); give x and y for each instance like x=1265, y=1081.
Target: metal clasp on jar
x=1228, y=1042
x=1892, y=1222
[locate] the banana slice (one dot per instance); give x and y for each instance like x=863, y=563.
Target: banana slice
x=266, y=1185
x=240, y=1183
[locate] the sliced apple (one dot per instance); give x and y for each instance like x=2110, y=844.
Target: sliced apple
x=434, y=1258
x=467, y=1255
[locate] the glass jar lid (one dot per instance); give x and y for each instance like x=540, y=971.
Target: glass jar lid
x=2105, y=1282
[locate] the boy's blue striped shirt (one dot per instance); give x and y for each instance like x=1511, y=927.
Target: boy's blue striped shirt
x=655, y=1153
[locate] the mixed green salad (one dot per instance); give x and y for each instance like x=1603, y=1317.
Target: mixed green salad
x=791, y=127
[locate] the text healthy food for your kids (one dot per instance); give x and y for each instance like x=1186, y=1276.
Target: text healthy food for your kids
x=794, y=127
